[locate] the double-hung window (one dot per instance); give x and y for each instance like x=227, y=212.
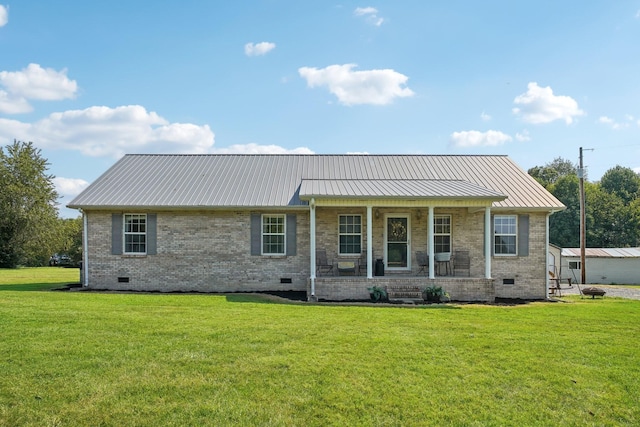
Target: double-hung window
x=574, y=265
x=135, y=233
x=273, y=235
x=350, y=232
x=505, y=234
x=442, y=233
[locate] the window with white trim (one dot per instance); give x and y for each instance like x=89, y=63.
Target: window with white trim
x=442, y=233
x=575, y=265
x=135, y=234
x=505, y=234
x=350, y=234
x=273, y=235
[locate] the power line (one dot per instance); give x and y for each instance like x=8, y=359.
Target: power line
x=616, y=146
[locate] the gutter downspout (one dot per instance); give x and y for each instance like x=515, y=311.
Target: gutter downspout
x=312, y=246
x=85, y=249
x=546, y=263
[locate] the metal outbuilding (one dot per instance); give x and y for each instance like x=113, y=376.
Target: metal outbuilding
x=603, y=265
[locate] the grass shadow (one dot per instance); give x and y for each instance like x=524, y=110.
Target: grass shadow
x=255, y=299
x=31, y=287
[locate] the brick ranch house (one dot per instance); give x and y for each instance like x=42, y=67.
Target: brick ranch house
x=236, y=223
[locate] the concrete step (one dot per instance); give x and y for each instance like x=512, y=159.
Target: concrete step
x=404, y=293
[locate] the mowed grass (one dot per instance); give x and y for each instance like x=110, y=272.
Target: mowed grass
x=37, y=279
x=84, y=358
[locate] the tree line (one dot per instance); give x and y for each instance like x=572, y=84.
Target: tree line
x=612, y=206
x=30, y=229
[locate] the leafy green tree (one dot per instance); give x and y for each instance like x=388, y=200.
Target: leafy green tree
x=550, y=173
x=623, y=182
x=607, y=218
x=27, y=206
x=69, y=238
x=612, y=206
x=564, y=226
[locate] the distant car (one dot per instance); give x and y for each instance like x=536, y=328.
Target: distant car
x=60, y=260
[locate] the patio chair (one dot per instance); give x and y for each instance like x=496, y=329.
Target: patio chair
x=443, y=259
x=461, y=261
x=349, y=267
x=362, y=264
x=423, y=262
x=322, y=265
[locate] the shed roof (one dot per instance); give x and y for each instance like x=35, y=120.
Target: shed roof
x=271, y=180
x=602, y=252
x=403, y=188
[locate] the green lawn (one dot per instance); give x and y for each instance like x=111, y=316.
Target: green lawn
x=37, y=279
x=81, y=358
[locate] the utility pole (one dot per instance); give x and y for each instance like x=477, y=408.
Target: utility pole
x=583, y=227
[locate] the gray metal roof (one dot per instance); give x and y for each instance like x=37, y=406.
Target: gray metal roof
x=270, y=180
x=403, y=188
x=603, y=252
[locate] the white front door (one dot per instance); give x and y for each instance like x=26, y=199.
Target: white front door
x=397, y=233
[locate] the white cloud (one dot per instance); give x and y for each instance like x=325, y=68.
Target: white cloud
x=113, y=132
x=67, y=189
x=377, y=87
x=540, y=105
x=611, y=123
x=616, y=125
x=260, y=149
x=485, y=117
x=4, y=16
x=523, y=136
x=258, y=49
x=370, y=14
x=69, y=186
x=104, y=131
x=33, y=82
x=13, y=105
x=474, y=138
x=605, y=120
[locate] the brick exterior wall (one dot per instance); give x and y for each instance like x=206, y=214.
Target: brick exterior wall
x=209, y=251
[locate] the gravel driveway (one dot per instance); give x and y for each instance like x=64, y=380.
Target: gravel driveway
x=611, y=291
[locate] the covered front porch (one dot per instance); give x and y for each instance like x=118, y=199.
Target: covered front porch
x=408, y=225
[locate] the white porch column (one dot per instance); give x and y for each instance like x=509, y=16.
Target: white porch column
x=487, y=242
x=312, y=245
x=369, y=242
x=430, y=245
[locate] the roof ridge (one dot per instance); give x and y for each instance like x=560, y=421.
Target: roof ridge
x=385, y=179
x=306, y=155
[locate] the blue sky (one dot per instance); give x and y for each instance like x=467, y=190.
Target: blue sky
x=90, y=81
